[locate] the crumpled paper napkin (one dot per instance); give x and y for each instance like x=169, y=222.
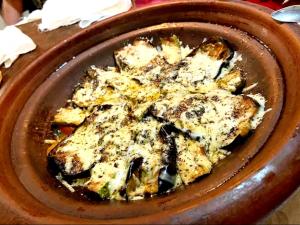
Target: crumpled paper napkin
x=33, y=16
x=57, y=13
x=13, y=42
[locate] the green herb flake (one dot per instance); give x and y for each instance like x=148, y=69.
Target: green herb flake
x=104, y=191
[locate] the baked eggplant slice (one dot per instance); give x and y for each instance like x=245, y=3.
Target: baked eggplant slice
x=108, y=178
x=232, y=81
x=96, y=91
x=148, y=147
x=261, y=104
x=111, y=88
x=141, y=61
x=192, y=161
x=204, y=64
x=128, y=168
x=215, y=119
x=110, y=175
x=79, y=151
x=135, y=56
x=217, y=48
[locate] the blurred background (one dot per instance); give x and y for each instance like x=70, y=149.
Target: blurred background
x=13, y=10
x=2, y=24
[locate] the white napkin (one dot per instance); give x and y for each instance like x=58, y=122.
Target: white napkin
x=33, y=16
x=13, y=42
x=57, y=13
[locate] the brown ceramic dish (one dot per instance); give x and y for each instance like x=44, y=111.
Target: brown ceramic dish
x=261, y=172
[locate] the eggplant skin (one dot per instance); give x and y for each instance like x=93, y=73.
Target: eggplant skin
x=167, y=133
x=215, y=118
x=134, y=173
x=135, y=165
x=234, y=81
x=165, y=181
x=219, y=49
x=167, y=175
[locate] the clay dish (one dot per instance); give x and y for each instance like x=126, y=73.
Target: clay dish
x=259, y=174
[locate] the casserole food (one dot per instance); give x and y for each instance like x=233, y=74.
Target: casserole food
x=159, y=120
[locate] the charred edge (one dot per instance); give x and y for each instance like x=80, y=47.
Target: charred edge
x=225, y=55
x=92, y=73
x=71, y=104
x=104, y=107
x=71, y=178
x=135, y=165
x=230, y=47
x=191, y=54
x=241, y=86
x=88, y=194
x=52, y=167
x=56, y=166
x=120, y=65
x=151, y=113
x=137, y=81
x=89, y=76
x=227, y=59
x=237, y=142
x=256, y=103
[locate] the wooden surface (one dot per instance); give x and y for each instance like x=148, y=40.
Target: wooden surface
x=288, y=213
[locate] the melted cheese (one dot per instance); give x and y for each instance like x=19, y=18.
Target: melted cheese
x=199, y=69
x=147, y=146
x=257, y=119
x=138, y=55
x=110, y=175
x=174, y=86
x=96, y=91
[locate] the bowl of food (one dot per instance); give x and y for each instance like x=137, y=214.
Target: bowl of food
x=176, y=118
